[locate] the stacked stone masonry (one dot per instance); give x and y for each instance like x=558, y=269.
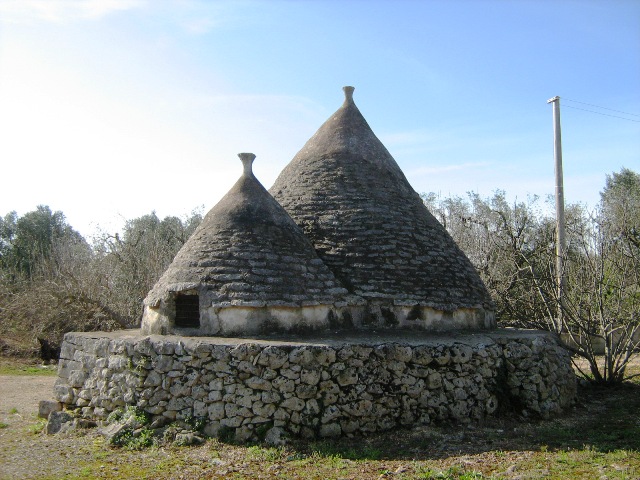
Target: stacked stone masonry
x=249, y=252
x=367, y=223
x=385, y=245
x=325, y=388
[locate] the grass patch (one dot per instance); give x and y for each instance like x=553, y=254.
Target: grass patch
x=256, y=453
x=582, y=463
x=613, y=428
x=23, y=369
x=226, y=434
x=4, y=425
x=37, y=427
x=331, y=449
x=135, y=435
x=451, y=473
x=134, y=440
x=155, y=466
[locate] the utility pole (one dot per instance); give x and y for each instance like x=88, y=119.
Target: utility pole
x=560, y=237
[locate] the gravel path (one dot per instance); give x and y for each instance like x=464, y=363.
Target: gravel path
x=24, y=392
x=23, y=452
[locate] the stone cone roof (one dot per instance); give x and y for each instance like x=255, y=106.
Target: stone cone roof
x=249, y=252
x=368, y=224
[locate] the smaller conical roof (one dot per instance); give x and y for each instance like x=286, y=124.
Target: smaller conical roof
x=249, y=252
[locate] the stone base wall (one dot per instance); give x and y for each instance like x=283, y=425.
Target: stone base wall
x=316, y=387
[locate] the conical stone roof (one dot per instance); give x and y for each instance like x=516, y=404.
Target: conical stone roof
x=368, y=224
x=249, y=252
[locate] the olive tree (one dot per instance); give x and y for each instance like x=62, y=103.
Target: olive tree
x=603, y=310
x=52, y=281
x=131, y=262
x=513, y=247
x=45, y=281
x=509, y=245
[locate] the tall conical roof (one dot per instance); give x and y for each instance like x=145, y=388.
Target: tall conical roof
x=368, y=225
x=249, y=252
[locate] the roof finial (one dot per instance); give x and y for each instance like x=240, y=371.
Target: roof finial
x=247, y=160
x=348, y=94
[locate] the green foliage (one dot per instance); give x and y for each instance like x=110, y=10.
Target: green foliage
x=257, y=453
x=226, y=434
x=261, y=430
x=136, y=434
x=621, y=204
x=134, y=440
x=27, y=242
x=140, y=365
x=130, y=412
x=451, y=473
x=28, y=370
x=138, y=414
x=196, y=423
x=115, y=416
x=38, y=426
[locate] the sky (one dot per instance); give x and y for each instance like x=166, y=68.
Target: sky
x=112, y=109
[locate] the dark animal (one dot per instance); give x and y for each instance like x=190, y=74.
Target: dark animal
x=48, y=352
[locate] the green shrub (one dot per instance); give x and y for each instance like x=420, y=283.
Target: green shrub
x=133, y=440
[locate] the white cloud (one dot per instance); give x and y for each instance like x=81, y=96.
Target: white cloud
x=62, y=11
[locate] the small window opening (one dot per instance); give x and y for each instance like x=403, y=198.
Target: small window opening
x=187, y=311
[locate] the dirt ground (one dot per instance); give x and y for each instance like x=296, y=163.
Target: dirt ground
x=24, y=456
x=24, y=392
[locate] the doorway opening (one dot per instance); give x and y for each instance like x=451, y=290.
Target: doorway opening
x=187, y=311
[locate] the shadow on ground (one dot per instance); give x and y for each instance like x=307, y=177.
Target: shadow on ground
x=604, y=418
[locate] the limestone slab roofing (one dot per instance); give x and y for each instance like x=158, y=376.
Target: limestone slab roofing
x=246, y=260
x=342, y=241
x=368, y=224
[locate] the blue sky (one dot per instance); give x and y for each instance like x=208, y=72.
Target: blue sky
x=110, y=109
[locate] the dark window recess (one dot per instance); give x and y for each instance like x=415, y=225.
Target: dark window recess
x=187, y=311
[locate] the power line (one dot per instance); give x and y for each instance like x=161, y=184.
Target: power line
x=598, y=106
x=605, y=114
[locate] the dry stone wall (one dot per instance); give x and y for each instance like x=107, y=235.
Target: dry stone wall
x=248, y=388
